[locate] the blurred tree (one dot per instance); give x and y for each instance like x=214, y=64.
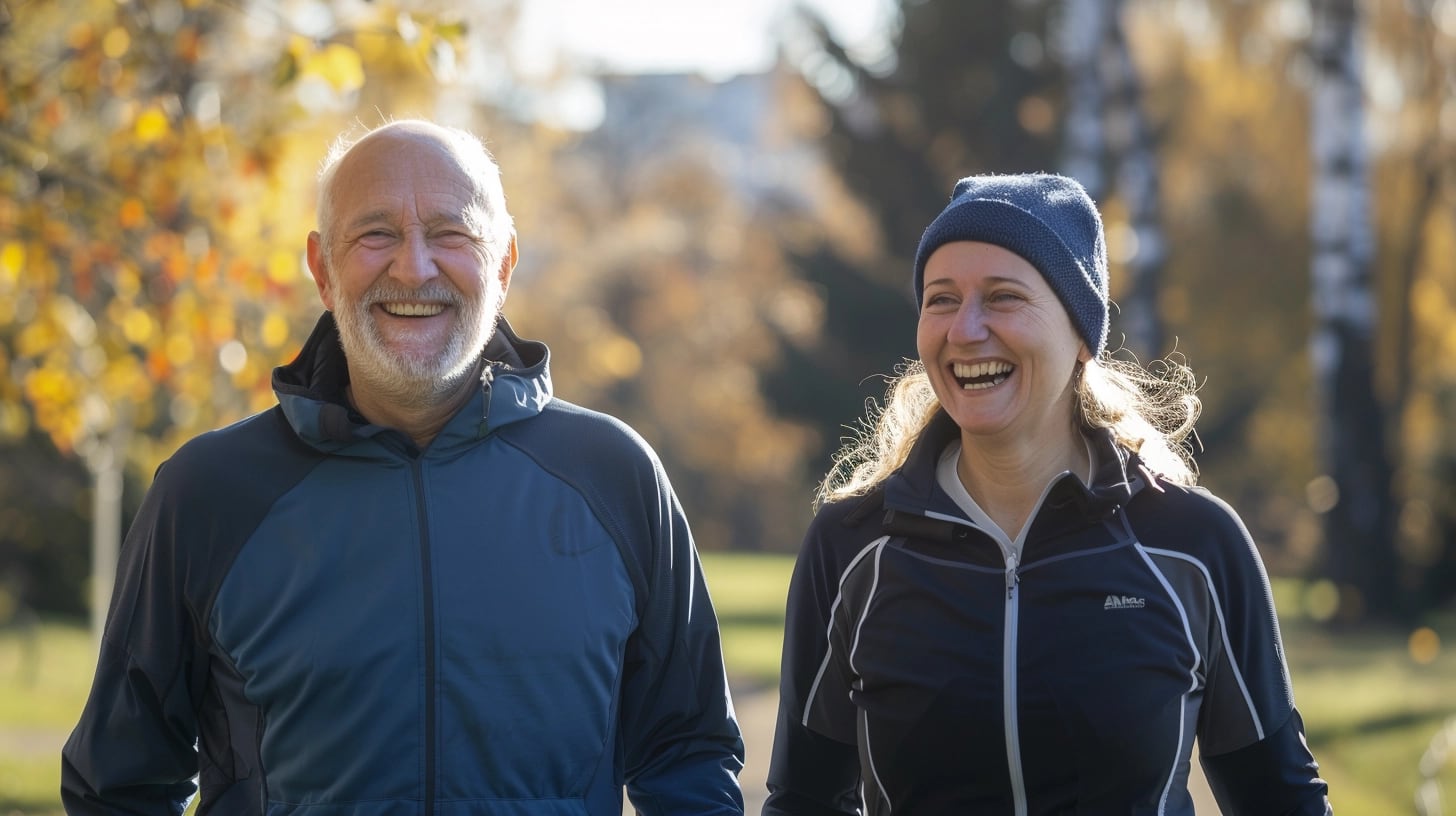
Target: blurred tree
x=1356, y=487
x=652, y=265
x=154, y=179
x=968, y=88
x=1140, y=247
x=1105, y=124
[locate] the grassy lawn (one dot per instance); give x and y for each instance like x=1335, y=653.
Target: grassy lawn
x=1370, y=707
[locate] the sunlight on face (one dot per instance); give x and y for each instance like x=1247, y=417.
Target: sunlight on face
x=413, y=285
x=997, y=344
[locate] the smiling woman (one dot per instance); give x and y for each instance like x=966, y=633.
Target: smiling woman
x=1014, y=598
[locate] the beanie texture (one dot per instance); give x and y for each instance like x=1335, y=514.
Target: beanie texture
x=1047, y=219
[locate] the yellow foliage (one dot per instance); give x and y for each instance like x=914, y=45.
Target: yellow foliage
x=50, y=386
x=127, y=281
x=275, y=330
x=151, y=125
x=116, y=43
x=617, y=357
x=36, y=339
x=12, y=261
x=337, y=64
x=138, y=326
x=180, y=350
x=283, y=267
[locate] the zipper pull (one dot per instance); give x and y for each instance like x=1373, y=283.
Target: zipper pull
x=1011, y=577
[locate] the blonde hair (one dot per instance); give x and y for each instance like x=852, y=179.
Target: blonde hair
x=1150, y=411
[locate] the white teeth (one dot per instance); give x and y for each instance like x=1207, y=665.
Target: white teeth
x=987, y=369
x=413, y=309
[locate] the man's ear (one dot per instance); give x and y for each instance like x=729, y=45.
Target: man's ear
x=507, y=266
x=318, y=266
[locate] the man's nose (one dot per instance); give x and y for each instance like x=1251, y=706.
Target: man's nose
x=415, y=262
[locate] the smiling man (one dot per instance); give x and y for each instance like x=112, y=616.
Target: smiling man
x=420, y=584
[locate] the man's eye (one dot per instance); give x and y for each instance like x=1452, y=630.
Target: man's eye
x=454, y=238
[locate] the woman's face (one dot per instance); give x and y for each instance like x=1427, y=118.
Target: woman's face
x=996, y=342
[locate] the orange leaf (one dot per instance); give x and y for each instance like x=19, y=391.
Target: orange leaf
x=132, y=213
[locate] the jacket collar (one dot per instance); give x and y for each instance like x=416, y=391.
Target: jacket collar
x=913, y=489
x=516, y=385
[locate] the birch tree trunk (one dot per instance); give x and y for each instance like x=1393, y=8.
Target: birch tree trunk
x=1356, y=490
x=1078, y=41
x=1105, y=121
x=1131, y=145
x=105, y=457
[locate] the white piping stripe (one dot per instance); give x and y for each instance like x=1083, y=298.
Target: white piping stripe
x=1223, y=633
x=1182, y=612
x=869, y=754
x=1173, y=772
x=865, y=613
x=829, y=644
x=1193, y=671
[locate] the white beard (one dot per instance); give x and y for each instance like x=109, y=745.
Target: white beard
x=412, y=381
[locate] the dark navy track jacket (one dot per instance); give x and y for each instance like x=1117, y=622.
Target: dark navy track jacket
x=924, y=675
x=323, y=619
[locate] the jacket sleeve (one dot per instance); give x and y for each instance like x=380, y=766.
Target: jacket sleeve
x=813, y=773
x=1251, y=738
x=133, y=749
x=682, y=742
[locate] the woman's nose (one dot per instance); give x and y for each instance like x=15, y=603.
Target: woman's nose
x=969, y=325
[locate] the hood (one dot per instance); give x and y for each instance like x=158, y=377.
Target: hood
x=515, y=386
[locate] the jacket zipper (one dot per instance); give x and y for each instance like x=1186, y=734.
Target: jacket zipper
x=428, y=601
x=1008, y=663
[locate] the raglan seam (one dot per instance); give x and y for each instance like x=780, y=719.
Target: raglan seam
x=829, y=630
x=1228, y=651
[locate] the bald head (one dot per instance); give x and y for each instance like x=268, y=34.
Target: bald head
x=464, y=152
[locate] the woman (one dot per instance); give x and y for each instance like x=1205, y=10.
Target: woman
x=1014, y=599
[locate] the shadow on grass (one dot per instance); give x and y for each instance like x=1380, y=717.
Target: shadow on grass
x=13, y=806
x=1375, y=725
x=753, y=618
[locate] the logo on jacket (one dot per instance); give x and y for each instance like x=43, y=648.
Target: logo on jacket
x=1124, y=602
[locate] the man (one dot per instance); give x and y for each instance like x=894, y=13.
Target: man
x=420, y=584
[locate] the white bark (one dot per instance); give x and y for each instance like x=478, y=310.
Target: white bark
x=1340, y=225
x=1078, y=40
x=1131, y=145
x=106, y=461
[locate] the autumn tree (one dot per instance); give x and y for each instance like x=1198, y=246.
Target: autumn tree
x=968, y=88
x=158, y=174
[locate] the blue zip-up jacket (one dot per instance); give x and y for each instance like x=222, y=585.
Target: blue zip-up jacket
x=927, y=673
x=316, y=617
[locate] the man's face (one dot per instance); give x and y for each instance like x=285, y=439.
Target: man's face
x=412, y=283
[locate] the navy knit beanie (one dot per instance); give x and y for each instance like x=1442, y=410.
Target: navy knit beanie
x=1047, y=219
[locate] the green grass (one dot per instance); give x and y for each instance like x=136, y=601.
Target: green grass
x=43, y=683
x=748, y=592
x=1369, y=707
